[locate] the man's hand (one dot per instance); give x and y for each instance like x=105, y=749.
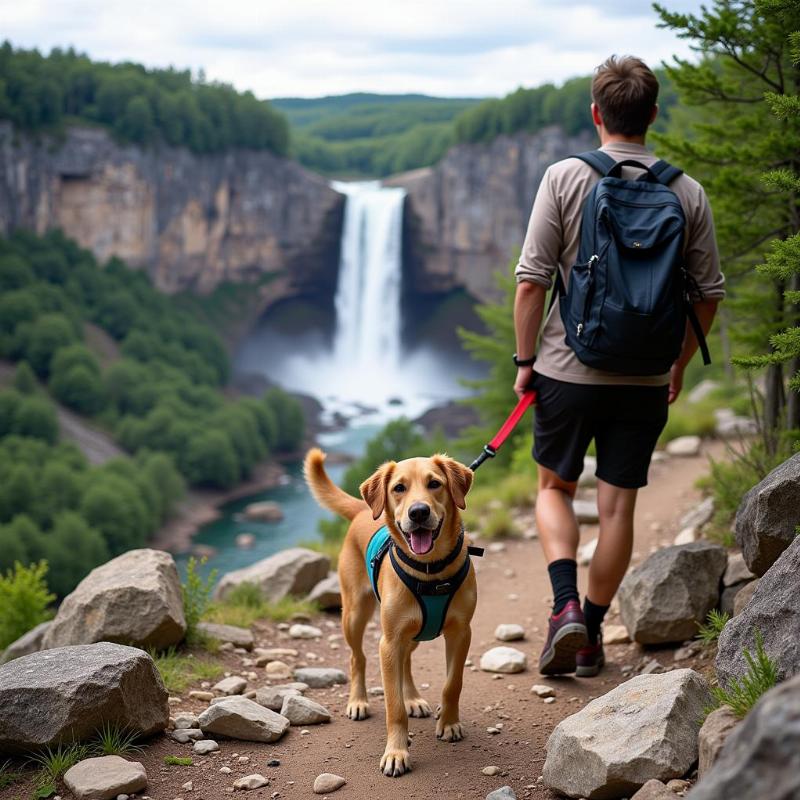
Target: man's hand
x=523, y=382
x=675, y=382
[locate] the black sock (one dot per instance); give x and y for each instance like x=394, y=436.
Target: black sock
x=564, y=578
x=594, y=618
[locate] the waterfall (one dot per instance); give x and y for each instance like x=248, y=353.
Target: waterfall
x=368, y=324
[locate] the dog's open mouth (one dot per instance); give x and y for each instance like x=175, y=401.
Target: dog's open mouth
x=421, y=539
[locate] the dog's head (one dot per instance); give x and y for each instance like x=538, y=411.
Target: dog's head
x=420, y=498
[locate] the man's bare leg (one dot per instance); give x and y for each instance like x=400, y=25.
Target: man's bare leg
x=555, y=519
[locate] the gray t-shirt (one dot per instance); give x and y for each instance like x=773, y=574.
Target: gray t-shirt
x=552, y=243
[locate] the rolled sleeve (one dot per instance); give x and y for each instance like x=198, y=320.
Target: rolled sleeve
x=702, y=255
x=541, y=249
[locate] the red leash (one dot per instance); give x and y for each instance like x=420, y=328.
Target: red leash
x=490, y=450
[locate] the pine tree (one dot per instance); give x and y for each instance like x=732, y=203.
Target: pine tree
x=746, y=73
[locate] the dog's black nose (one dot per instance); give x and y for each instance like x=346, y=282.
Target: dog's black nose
x=419, y=512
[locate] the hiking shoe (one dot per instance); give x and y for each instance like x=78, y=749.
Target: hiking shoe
x=566, y=636
x=590, y=659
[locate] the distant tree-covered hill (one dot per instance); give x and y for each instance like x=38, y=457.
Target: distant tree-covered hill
x=371, y=135
x=138, y=105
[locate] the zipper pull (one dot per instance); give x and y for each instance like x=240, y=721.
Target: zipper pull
x=580, y=329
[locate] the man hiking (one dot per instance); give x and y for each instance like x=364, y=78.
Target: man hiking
x=644, y=259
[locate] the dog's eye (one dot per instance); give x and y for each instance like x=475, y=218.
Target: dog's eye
x=399, y=488
x=434, y=484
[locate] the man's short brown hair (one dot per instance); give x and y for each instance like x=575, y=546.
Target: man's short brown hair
x=625, y=91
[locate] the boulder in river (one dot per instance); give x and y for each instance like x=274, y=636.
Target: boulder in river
x=265, y=511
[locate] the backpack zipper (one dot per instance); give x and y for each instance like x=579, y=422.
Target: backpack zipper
x=592, y=261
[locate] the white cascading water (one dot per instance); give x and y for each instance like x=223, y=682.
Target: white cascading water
x=367, y=336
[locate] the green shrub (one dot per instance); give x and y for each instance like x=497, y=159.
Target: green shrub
x=196, y=597
x=498, y=524
x=25, y=379
x=761, y=676
x=245, y=603
x=179, y=670
x=35, y=417
x=43, y=337
x=177, y=761
x=710, y=631
x=80, y=389
x=24, y=599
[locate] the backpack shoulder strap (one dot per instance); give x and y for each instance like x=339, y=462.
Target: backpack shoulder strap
x=665, y=172
x=597, y=160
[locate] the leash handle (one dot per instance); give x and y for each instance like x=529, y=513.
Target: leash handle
x=487, y=452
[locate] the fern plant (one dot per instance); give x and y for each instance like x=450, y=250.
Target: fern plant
x=709, y=632
x=742, y=694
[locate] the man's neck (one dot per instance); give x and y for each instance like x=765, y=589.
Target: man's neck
x=616, y=138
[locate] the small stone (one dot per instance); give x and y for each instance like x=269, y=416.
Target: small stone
x=493, y=731
x=231, y=686
x=300, y=631
x=225, y=770
x=686, y=446
x=615, y=634
x=174, y=701
x=503, y=659
x=243, y=759
x=198, y=694
x=678, y=785
x=714, y=732
x=205, y=746
x=301, y=710
x=586, y=552
x=278, y=670
x=328, y=782
x=549, y=700
x=509, y=632
x=184, y=721
x=254, y=781
x=654, y=790
x=491, y=771
x=687, y=536
x=503, y=793
x=273, y=762
x=188, y=786
x=495, y=547
x=320, y=677
x=272, y=697
x=105, y=777
x=736, y=571
x=375, y=691
x=186, y=735
x=541, y=690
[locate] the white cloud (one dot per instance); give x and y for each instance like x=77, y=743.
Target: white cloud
x=315, y=47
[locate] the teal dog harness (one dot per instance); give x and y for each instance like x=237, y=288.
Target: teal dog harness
x=433, y=597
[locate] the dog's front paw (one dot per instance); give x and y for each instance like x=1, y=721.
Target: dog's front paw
x=453, y=732
x=395, y=763
x=357, y=709
x=417, y=707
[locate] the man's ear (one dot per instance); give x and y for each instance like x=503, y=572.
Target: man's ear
x=459, y=478
x=596, y=118
x=374, y=488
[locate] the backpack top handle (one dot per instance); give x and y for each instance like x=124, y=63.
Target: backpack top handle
x=660, y=172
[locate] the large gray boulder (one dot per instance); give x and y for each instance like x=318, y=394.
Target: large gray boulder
x=133, y=599
x=768, y=515
x=295, y=571
x=643, y=729
x=30, y=642
x=761, y=757
x=240, y=718
x=667, y=595
x=68, y=693
x=774, y=610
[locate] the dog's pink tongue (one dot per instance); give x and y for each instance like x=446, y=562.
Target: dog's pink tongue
x=421, y=541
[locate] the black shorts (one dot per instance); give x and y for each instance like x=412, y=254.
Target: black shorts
x=624, y=421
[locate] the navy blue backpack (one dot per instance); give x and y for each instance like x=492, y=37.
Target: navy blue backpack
x=627, y=302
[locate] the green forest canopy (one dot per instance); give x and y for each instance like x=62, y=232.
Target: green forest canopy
x=160, y=398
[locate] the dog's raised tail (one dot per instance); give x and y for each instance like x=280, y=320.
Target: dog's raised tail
x=325, y=491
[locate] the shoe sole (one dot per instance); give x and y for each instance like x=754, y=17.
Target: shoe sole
x=590, y=672
x=559, y=658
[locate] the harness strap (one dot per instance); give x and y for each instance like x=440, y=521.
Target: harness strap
x=433, y=597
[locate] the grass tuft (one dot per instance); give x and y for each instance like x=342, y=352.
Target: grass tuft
x=761, y=676
x=7, y=777
x=115, y=740
x=53, y=764
x=245, y=604
x=177, y=761
x=709, y=632
x=179, y=670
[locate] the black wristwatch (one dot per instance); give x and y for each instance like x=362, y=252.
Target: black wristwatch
x=524, y=362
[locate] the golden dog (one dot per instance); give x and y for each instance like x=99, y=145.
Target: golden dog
x=419, y=499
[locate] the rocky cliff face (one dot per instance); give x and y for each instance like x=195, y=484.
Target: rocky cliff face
x=466, y=217
x=192, y=221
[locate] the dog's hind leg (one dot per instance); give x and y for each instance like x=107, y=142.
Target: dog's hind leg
x=457, y=640
x=416, y=706
x=357, y=609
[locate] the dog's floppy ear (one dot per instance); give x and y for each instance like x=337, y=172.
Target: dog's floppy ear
x=459, y=478
x=373, y=490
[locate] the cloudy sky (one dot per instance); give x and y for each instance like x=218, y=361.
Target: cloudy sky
x=280, y=48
